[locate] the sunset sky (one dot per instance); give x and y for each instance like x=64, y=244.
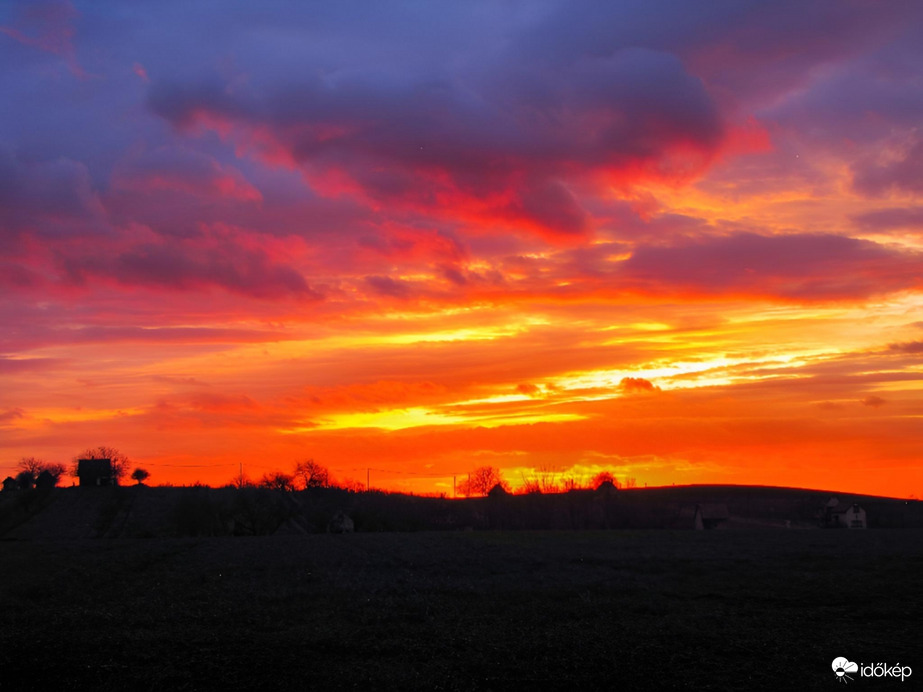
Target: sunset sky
x=680, y=241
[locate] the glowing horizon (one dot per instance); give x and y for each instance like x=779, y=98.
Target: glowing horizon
x=680, y=244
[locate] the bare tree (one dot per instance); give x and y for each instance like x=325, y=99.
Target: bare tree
x=569, y=483
x=276, y=480
x=547, y=478
x=32, y=465
x=481, y=480
x=140, y=475
x=530, y=486
x=119, y=461
x=33, y=468
x=311, y=474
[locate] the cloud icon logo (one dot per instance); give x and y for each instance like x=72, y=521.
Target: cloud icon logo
x=842, y=666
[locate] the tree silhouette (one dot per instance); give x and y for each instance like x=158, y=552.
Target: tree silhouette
x=24, y=480
x=140, y=475
x=481, y=480
x=35, y=467
x=311, y=474
x=31, y=465
x=277, y=480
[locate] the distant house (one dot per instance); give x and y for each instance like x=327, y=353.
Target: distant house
x=845, y=517
x=95, y=472
x=711, y=516
x=10, y=483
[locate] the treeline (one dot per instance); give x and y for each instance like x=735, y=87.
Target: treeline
x=33, y=472
x=477, y=483
x=308, y=474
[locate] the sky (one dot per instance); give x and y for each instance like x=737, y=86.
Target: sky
x=679, y=241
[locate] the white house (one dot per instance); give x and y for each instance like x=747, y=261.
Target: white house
x=847, y=517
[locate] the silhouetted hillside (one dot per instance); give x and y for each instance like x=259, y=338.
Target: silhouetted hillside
x=143, y=512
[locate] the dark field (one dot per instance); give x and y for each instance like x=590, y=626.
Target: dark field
x=723, y=610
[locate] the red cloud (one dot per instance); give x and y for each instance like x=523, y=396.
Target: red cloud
x=632, y=385
x=529, y=389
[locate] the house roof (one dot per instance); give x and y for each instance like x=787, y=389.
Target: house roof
x=94, y=466
x=844, y=510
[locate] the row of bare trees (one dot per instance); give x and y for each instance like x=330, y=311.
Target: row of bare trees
x=35, y=472
x=308, y=473
x=305, y=474
x=485, y=478
x=549, y=481
x=479, y=482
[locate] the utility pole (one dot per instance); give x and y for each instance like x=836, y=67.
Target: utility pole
x=454, y=494
x=368, y=485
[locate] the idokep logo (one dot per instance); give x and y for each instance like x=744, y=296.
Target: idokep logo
x=842, y=667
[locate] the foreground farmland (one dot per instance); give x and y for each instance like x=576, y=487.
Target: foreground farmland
x=460, y=610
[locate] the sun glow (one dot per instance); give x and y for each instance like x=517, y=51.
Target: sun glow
x=420, y=417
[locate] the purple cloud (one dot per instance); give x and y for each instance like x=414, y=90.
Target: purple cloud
x=47, y=198
x=902, y=175
x=498, y=145
x=232, y=268
x=893, y=218
x=799, y=266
